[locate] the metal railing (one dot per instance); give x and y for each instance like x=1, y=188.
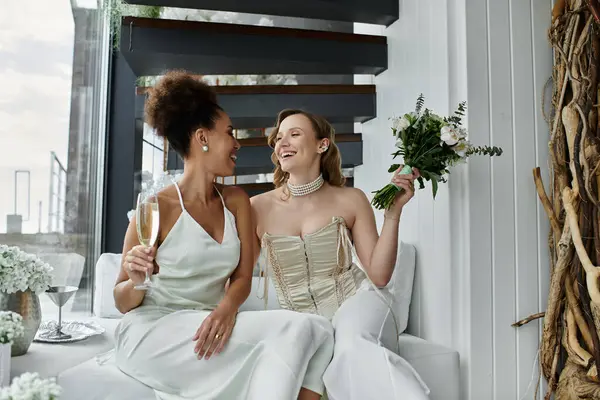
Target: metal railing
x=57, y=199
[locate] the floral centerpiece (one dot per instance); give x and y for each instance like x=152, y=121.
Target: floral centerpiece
x=431, y=144
x=30, y=386
x=23, y=277
x=20, y=271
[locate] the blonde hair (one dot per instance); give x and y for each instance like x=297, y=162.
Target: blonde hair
x=331, y=160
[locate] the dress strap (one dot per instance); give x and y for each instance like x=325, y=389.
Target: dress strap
x=179, y=194
x=221, y=196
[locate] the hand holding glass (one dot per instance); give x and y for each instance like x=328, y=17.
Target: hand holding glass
x=147, y=220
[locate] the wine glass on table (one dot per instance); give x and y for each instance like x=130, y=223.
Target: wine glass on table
x=147, y=220
x=59, y=296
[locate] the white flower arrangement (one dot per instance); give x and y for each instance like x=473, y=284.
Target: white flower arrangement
x=30, y=386
x=20, y=271
x=430, y=143
x=11, y=326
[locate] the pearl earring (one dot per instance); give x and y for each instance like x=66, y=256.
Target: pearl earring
x=205, y=148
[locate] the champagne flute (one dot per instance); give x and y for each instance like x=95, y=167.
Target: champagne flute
x=147, y=220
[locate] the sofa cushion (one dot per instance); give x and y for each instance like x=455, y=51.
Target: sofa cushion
x=107, y=270
x=401, y=283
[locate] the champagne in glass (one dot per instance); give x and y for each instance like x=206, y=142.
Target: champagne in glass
x=147, y=219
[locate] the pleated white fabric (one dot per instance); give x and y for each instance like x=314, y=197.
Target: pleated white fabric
x=270, y=355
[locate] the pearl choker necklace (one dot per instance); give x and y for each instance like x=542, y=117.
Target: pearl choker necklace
x=307, y=188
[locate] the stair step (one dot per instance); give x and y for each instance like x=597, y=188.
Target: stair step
x=256, y=107
x=257, y=188
x=152, y=46
x=254, y=156
x=257, y=159
x=382, y=12
x=262, y=141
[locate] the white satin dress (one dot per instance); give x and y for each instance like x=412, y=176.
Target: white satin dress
x=270, y=354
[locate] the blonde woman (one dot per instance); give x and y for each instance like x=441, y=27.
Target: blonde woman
x=307, y=228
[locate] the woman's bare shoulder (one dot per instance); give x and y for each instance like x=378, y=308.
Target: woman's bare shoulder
x=348, y=194
x=264, y=200
x=168, y=198
x=233, y=196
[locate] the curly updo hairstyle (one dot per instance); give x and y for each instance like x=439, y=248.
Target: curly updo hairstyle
x=178, y=105
x=331, y=160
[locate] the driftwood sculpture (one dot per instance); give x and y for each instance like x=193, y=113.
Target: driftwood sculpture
x=570, y=345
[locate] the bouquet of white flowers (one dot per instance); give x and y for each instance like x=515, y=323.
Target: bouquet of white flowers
x=30, y=386
x=11, y=326
x=431, y=144
x=20, y=271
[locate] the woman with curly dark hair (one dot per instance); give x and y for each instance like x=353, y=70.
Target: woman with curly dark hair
x=184, y=338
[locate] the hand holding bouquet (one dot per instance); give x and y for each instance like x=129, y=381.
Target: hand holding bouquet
x=431, y=144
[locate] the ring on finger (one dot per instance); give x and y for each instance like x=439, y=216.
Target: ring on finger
x=217, y=336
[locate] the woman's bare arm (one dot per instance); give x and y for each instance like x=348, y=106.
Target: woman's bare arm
x=377, y=253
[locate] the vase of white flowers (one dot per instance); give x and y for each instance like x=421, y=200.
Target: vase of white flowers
x=23, y=277
x=11, y=328
x=31, y=386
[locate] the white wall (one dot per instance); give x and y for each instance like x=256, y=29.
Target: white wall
x=482, y=259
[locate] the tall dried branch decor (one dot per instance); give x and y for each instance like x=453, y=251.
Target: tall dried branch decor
x=570, y=348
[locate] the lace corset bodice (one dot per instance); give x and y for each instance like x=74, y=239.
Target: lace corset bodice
x=314, y=274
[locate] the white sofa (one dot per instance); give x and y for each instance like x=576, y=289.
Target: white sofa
x=81, y=376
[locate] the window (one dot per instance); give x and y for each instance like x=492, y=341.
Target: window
x=152, y=154
x=53, y=73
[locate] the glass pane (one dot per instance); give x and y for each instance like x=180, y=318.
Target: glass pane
x=152, y=162
x=53, y=74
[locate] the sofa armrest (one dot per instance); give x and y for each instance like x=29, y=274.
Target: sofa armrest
x=438, y=366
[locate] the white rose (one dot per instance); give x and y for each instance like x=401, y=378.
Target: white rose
x=449, y=136
x=462, y=147
x=400, y=124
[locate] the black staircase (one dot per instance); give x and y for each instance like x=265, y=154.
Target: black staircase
x=381, y=12
x=150, y=46
x=154, y=45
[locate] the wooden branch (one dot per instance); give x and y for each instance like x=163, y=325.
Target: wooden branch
x=584, y=36
x=594, y=7
x=570, y=120
x=592, y=272
x=539, y=185
x=527, y=320
x=555, y=296
x=577, y=354
x=558, y=9
x=552, y=379
x=579, y=318
x=596, y=233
